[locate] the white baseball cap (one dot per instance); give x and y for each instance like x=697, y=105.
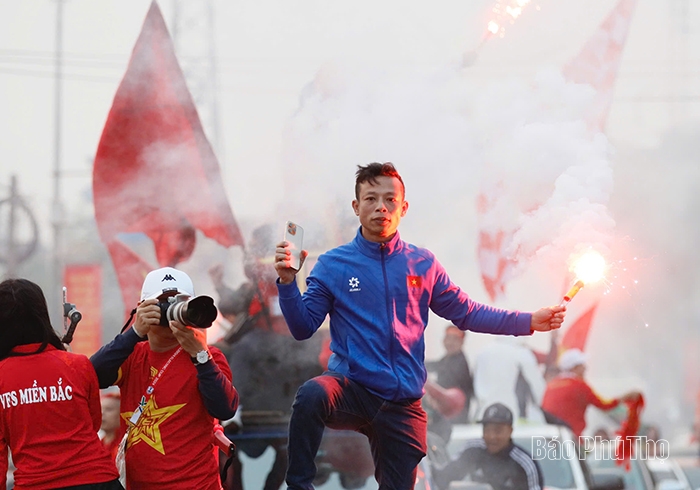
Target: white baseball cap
x=166, y=280
x=571, y=358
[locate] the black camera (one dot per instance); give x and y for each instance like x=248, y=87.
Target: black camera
x=197, y=312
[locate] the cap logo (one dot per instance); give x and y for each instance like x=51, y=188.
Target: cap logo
x=168, y=277
x=493, y=411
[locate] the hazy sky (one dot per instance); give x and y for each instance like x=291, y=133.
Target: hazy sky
x=267, y=51
x=394, y=53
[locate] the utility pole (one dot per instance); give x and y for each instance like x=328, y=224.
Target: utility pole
x=679, y=30
x=22, y=232
x=11, y=224
x=194, y=37
x=195, y=44
x=55, y=296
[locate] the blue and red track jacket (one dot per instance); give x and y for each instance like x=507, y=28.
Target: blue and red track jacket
x=378, y=297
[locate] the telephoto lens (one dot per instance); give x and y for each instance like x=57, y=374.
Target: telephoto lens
x=197, y=312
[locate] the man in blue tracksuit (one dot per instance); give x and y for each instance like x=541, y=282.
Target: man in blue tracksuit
x=377, y=290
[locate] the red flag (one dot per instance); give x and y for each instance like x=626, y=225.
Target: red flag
x=599, y=60
x=496, y=268
x=155, y=171
x=495, y=235
x=628, y=430
x=131, y=271
x=414, y=281
x=576, y=335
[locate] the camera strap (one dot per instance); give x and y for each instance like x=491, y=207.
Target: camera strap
x=128, y=322
x=151, y=388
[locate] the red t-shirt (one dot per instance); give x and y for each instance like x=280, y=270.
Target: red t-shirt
x=49, y=416
x=567, y=397
x=171, y=445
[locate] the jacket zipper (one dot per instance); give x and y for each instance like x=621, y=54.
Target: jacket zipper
x=392, y=337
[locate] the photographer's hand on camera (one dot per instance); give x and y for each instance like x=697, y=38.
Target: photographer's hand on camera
x=283, y=257
x=147, y=316
x=192, y=340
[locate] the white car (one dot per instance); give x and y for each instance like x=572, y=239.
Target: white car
x=554, y=449
x=645, y=473
x=668, y=474
x=690, y=465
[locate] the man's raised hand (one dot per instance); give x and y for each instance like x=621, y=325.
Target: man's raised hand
x=283, y=258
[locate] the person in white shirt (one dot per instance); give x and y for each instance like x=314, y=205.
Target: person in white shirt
x=496, y=372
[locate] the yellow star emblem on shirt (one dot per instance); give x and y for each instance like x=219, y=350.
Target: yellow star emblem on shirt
x=414, y=281
x=147, y=429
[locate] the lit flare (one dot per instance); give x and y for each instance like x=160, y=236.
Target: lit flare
x=588, y=268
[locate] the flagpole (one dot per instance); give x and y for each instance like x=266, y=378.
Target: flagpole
x=55, y=297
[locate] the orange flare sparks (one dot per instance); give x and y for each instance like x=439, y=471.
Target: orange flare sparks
x=504, y=13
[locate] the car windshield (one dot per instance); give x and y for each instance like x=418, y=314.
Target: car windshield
x=556, y=469
x=663, y=474
x=692, y=473
x=633, y=477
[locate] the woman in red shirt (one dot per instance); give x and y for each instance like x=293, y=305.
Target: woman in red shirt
x=49, y=401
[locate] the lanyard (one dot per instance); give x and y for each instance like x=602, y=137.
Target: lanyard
x=149, y=391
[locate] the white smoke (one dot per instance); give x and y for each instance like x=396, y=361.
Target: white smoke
x=447, y=136
x=549, y=179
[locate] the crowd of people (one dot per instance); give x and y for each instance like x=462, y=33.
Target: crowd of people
x=274, y=374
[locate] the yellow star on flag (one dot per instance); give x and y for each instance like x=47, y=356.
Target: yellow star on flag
x=414, y=281
x=147, y=429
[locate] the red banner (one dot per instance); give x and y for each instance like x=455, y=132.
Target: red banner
x=84, y=289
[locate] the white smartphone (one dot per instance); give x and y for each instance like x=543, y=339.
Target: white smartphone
x=294, y=235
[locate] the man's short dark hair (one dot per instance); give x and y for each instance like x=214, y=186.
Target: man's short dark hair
x=369, y=173
x=24, y=317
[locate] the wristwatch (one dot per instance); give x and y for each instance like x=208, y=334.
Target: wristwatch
x=201, y=357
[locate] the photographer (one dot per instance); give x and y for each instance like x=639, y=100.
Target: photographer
x=173, y=387
x=50, y=410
